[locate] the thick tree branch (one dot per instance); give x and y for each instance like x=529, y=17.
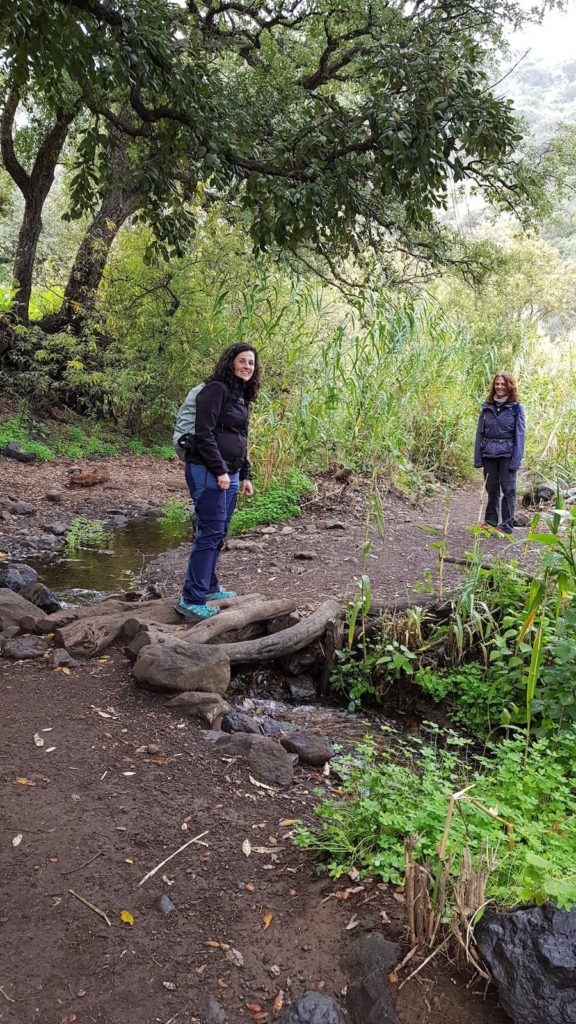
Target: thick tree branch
x=9, y=158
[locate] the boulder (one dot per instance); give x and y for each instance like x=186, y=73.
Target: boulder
x=43, y=598
x=24, y=648
x=302, y=688
x=237, y=721
x=209, y=708
x=542, y=492
x=16, y=611
x=23, y=508
x=15, y=575
x=531, y=955
x=310, y=747
x=60, y=658
x=267, y=760
x=184, y=667
x=369, y=964
x=312, y=1008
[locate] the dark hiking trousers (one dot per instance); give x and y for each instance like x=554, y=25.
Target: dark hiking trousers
x=500, y=484
x=214, y=510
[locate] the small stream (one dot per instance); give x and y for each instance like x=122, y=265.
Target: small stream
x=85, y=575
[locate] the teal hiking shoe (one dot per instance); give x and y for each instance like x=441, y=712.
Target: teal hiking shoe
x=195, y=612
x=220, y=595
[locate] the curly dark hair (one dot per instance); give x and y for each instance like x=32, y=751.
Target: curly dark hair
x=510, y=379
x=224, y=370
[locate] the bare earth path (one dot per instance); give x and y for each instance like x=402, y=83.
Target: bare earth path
x=120, y=782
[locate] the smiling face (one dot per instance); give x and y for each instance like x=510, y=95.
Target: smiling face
x=501, y=387
x=244, y=365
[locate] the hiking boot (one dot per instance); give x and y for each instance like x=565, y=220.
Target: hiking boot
x=220, y=595
x=195, y=612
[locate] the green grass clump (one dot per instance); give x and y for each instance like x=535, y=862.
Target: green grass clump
x=86, y=533
x=176, y=512
x=12, y=431
x=71, y=441
x=279, y=502
x=393, y=795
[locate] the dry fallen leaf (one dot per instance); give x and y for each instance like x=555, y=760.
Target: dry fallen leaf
x=38, y=740
x=278, y=1003
x=49, y=750
x=273, y=970
x=169, y=985
x=289, y=821
x=126, y=917
x=268, y=915
x=25, y=782
x=352, y=923
x=393, y=978
x=65, y=671
x=212, y=943
x=232, y=954
x=262, y=785
x=17, y=839
x=398, y=896
x=249, y=887
x=246, y=848
x=128, y=860
x=200, y=970
x=81, y=992
x=253, y=1007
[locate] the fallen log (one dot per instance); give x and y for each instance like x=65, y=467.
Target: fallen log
x=287, y=641
x=176, y=623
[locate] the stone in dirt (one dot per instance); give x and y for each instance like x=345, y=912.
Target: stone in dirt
x=302, y=688
x=54, y=496
x=164, y=904
x=312, y=1008
x=87, y=477
x=310, y=747
x=267, y=760
x=369, y=964
x=304, y=556
x=190, y=667
x=23, y=508
x=242, y=545
x=209, y=708
x=212, y=1012
x=60, y=658
x=58, y=528
x=531, y=955
x=14, y=451
x=237, y=721
x=25, y=648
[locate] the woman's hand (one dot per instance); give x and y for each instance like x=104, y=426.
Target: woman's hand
x=223, y=481
x=246, y=488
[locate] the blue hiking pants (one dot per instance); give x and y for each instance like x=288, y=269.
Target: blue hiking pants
x=500, y=484
x=214, y=509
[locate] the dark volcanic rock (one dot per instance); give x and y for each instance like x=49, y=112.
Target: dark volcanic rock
x=16, y=575
x=531, y=955
x=267, y=760
x=236, y=721
x=312, y=1008
x=14, y=451
x=23, y=648
x=43, y=598
x=371, y=960
x=310, y=747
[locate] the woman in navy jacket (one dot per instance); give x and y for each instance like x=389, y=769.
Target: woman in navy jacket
x=217, y=468
x=499, y=449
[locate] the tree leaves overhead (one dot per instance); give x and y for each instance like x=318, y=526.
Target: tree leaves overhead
x=332, y=124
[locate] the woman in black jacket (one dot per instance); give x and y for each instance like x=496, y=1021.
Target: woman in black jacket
x=217, y=468
x=499, y=449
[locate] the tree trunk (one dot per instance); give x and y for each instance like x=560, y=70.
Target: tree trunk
x=86, y=274
x=35, y=187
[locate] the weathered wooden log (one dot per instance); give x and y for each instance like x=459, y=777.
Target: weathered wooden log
x=174, y=622
x=334, y=638
x=239, y=616
x=269, y=648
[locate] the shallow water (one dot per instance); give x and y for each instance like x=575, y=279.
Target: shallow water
x=86, y=575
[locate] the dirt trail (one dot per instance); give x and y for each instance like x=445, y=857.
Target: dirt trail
x=120, y=782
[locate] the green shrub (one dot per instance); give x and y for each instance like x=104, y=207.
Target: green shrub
x=86, y=533
x=279, y=502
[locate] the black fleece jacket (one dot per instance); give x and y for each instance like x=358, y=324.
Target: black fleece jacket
x=221, y=431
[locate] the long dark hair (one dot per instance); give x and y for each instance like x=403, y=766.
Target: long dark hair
x=511, y=384
x=224, y=370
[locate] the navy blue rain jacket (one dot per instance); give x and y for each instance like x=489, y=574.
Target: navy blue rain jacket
x=501, y=434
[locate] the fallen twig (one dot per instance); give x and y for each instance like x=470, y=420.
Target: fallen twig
x=9, y=998
x=84, y=865
x=179, y=850
x=101, y=913
x=424, y=962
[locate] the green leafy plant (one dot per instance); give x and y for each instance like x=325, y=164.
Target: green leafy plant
x=279, y=502
x=176, y=512
x=86, y=533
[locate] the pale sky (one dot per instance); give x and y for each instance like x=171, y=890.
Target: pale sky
x=553, y=40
